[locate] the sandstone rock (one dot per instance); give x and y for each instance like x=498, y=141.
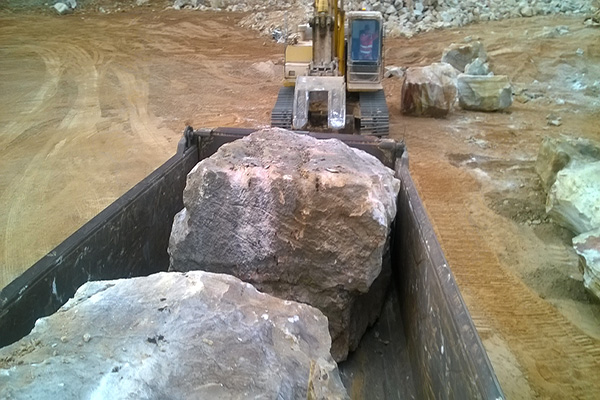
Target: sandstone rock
x=587, y=245
x=484, y=93
x=573, y=200
x=171, y=335
x=301, y=219
x=429, y=91
x=477, y=67
x=460, y=54
x=556, y=153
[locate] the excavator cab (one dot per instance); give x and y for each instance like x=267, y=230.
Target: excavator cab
x=364, y=61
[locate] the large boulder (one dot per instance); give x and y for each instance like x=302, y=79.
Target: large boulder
x=429, y=91
x=299, y=218
x=587, y=245
x=484, y=93
x=556, y=153
x=459, y=55
x=574, y=198
x=177, y=336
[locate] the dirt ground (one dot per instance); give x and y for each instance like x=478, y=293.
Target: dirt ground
x=91, y=103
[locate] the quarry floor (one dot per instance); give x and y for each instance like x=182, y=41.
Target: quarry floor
x=92, y=103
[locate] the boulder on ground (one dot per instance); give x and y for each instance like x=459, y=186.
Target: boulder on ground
x=484, y=93
x=429, y=91
x=62, y=8
x=299, y=218
x=587, y=245
x=477, y=67
x=460, y=54
x=556, y=153
x=574, y=198
x=171, y=335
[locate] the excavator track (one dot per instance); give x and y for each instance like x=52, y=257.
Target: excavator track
x=281, y=116
x=374, y=115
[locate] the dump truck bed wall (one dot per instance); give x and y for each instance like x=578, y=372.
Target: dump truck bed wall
x=130, y=238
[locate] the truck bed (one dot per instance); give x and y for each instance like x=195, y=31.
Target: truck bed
x=424, y=345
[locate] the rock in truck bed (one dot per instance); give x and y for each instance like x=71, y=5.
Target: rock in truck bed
x=301, y=219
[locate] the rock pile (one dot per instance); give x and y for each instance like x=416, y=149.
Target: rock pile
x=403, y=17
x=171, y=335
x=569, y=169
x=299, y=218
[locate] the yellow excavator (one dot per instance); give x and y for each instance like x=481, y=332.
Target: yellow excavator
x=333, y=73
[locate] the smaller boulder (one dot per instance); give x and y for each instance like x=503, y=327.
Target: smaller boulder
x=573, y=198
x=478, y=67
x=392, y=70
x=484, y=93
x=587, y=245
x=429, y=91
x=62, y=8
x=460, y=54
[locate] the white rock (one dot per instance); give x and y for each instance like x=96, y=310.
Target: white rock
x=392, y=70
x=573, y=200
x=477, y=67
x=178, y=336
x=557, y=153
x=62, y=8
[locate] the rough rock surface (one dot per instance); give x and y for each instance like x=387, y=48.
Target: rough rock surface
x=173, y=336
x=556, y=153
x=301, y=219
x=459, y=55
x=574, y=198
x=429, y=91
x=484, y=93
x=587, y=245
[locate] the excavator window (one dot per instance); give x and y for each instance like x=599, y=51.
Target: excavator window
x=365, y=41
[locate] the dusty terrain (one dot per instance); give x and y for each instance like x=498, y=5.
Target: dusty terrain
x=91, y=103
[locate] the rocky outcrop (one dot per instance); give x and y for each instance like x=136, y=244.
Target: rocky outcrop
x=171, y=335
x=484, y=93
x=587, y=245
x=299, y=218
x=429, y=91
x=459, y=55
x=574, y=198
x=556, y=153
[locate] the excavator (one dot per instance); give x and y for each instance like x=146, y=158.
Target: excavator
x=333, y=73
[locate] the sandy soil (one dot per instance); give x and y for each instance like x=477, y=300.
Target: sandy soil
x=91, y=103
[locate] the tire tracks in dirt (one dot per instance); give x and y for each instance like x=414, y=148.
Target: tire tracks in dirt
x=558, y=360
